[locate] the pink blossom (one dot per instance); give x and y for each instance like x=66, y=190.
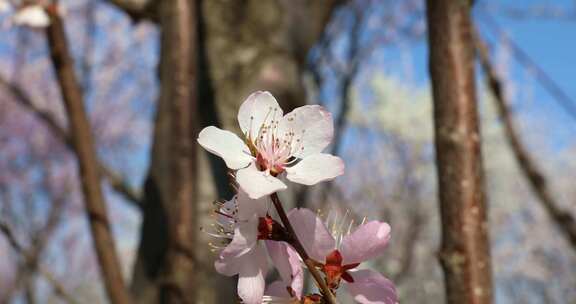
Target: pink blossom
x=339, y=255
x=32, y=16
x=275, y=144
x=245, y=222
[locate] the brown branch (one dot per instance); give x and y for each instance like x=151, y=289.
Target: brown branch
x=533, y=174
x=295, y=242
x=59, y=289
x=465, y=249
x=563, y=99
x=89, y=171
x=116, y=182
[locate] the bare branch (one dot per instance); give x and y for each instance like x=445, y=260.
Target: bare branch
x=89, y=170
x=59, y=289
x=118, y=183
x=533, y=174
x=563, y=99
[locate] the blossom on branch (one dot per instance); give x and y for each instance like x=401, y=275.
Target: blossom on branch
x=245, y=224
x=274, y=144
x=338, y=255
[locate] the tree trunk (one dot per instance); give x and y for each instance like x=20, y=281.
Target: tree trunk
x=164, y=271
x=465, y=252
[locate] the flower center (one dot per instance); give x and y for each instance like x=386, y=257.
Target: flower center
x=273, y=148
x=334, y=270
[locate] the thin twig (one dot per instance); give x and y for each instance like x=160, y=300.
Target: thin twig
x=59, y=289
x=118, y=183
x=533, y=174
x=567, y=103
x=295, y=242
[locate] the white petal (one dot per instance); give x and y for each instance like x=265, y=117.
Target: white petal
x=365, y=243
x=226, y=145
x=258, y=183
x=312, y=233
x=258, y=109
x=245, y=237
x=248, y=207
x=371, y=287
x=251, y=283
x=312, y=125
x=316, y=168
x=242, y=247
x=31, y=15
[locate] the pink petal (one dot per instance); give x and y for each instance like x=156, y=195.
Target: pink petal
x=277, y=289
x=287, y=262
x=251, y=279
x=248, y=207
x=366, y=242
x=371, y=287
x=311, y=124
x=245, y=238
x=258, y=109
x=243, y=244
x=316, y=168
x=312, y=233
x=226, y=145
x=258, y=183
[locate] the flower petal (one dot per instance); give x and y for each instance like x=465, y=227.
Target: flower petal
x=316, y=168
x=258, y=183
x=248, y=207
x=226, y=145
x=312, y=125
x=312, y=233
x=251, y=279
x=260, y=108
x=371, y=287
x=32, y=16
x=277, y=289
x=366, y=242
x=245, y=238
x=287, y=262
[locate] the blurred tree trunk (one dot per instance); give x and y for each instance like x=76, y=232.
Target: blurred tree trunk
x=164, y=271
x=465, y=252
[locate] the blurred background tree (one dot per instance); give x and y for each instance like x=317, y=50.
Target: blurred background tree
x=364, y=60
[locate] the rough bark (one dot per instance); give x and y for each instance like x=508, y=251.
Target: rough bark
x=533, y=174
x=465, y=252
x=89, y=171
x=165, y=267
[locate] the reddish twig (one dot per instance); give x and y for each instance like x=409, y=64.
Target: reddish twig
x=295, y=242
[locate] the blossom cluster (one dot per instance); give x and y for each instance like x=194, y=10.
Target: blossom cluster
x=275, y=148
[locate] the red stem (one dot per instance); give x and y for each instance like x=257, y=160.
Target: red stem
x=295, y=242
